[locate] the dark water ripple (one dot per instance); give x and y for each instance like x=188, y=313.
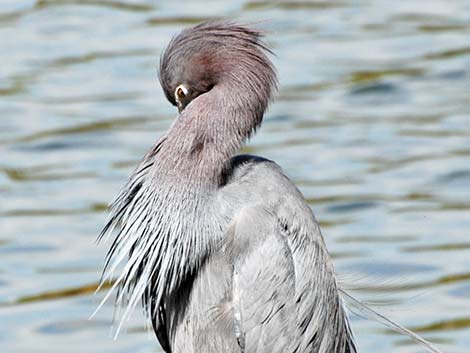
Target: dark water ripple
x=371, y=120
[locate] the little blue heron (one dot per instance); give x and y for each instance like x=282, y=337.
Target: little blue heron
x=222, y=249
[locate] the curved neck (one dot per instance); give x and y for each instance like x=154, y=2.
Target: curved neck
x=211, y=129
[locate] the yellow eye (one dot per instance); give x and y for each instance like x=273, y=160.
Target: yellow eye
x=180, y=92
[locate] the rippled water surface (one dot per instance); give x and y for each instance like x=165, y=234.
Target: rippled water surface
x=372, y=121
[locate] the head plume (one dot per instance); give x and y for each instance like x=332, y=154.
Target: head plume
x=220, y=53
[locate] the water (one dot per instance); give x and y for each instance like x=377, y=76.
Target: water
x=372, y=121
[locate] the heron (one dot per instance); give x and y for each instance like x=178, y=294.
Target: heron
x=221, y=248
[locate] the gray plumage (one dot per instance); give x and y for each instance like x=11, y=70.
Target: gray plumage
x=223, y=250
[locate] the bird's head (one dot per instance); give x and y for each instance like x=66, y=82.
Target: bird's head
x=218, y=54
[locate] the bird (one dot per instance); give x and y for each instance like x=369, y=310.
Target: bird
x=221, y=248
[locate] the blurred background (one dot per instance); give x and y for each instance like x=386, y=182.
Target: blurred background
x=372, y=121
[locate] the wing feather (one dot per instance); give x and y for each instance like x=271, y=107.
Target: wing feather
x=263, y=282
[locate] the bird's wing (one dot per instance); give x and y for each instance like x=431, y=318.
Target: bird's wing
x=286, y=264
x=273, y=250
x=321, y=321
x=263, y=282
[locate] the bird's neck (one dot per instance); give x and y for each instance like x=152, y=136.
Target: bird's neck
x=210, y=131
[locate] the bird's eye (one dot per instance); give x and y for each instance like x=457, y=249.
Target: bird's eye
x=180, y=92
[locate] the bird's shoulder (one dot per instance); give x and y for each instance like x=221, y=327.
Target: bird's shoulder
x=252, y=181
x=250, y=173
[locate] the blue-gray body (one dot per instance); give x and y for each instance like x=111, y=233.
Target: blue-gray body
x=242, y=268
x=268, y=284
